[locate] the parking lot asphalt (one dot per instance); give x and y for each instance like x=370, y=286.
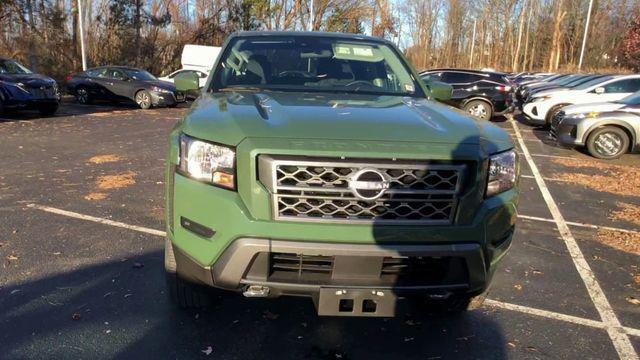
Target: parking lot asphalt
x=81, y=221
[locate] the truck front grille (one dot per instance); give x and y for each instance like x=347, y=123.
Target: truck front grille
x=382, y=192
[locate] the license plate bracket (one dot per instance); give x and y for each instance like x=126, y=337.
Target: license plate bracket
x=356, y=302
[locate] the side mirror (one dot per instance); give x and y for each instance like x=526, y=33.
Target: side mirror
x=186, y=82
x=440, y=91
x=189, y=83
x=599, y=90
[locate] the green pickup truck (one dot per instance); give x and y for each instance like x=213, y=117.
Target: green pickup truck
x=318, y=164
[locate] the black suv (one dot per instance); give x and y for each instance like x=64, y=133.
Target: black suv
x=482, y=94
x=22, y=89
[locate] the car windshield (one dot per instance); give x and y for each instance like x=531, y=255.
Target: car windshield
x=142, y=75
x=583, y=80
x=633, y=99
x=12, y=67
x=314, y=64
x=593, y=82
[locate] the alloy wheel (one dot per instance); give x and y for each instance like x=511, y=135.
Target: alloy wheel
x=608, y=144
x=83, y=96
x=479, y=111
x=143, y=100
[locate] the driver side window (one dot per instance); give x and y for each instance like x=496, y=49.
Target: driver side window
x=116, y=74
x=623, y=86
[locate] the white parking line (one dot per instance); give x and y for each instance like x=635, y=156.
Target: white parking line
x=97, y=219
x=577, y=224
x=615, y=330
x=545, y=178
x=548, y=156
x=488, y=302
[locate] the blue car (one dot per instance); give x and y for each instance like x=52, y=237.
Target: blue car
x=22, y=89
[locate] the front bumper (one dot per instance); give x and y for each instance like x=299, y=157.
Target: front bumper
x=533, y=113
x=166, y=99
x=234, y=256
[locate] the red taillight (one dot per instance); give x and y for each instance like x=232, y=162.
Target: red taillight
x=68, y=78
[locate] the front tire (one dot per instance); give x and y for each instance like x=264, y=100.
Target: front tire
x=82, y=95
x=181, y=292
x=479, y=109
x=143, y=99
x=552, y=113
x=608, y=142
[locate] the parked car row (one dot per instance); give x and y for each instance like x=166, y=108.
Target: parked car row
x=21, y=89
x=598, y=112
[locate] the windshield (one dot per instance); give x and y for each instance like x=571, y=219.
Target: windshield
x=12, y=67
x=583, y=80
x=309, y=63
x=593, y=82
x=633, y=99
x=142, y=75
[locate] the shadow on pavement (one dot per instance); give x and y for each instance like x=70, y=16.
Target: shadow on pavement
x=119, y=309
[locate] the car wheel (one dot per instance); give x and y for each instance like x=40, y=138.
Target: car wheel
x=181, y=292
x=48, y=110
x=552, y=113
x=143, y=99
x=479, y=109
x=608, y=142
x=82, y=95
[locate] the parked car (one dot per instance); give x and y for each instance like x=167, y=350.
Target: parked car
x=22, y=89
x=482, y=94
x=121, y=83
x=566, y=85
x=607, y=130
x=523, y=89
x=202, y=76
x=541, y=110
x=315, y=164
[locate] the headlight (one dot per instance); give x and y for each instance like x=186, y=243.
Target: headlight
x=160, y=90
x=541, y=98
x=503, y=172
x=204, y=161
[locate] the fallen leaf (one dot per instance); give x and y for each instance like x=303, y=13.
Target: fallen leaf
x=100, y=159
x=407, y=339
x=532, y=349
x=536, y=272
x=95, y=196
x=512, y=345
x=633, y=300
x=76, y=316
x=118, y=181
x=138, y=265
x=207, y=351
x=12, y=257
x=518, y=286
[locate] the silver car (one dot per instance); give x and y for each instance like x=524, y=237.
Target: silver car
x=607, y=130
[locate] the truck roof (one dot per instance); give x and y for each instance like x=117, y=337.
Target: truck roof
x=346, y=36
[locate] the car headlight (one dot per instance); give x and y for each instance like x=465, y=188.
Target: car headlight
x=205, y=161
x=503, y=172
x=160, y=90
x=541, y=98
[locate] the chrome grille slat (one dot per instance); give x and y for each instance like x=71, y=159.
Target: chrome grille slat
x=318, y=190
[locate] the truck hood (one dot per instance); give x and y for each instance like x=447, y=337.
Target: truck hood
x=592, y=107
x=230, y=117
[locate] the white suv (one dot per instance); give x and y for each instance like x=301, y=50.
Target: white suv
x=541, y=109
